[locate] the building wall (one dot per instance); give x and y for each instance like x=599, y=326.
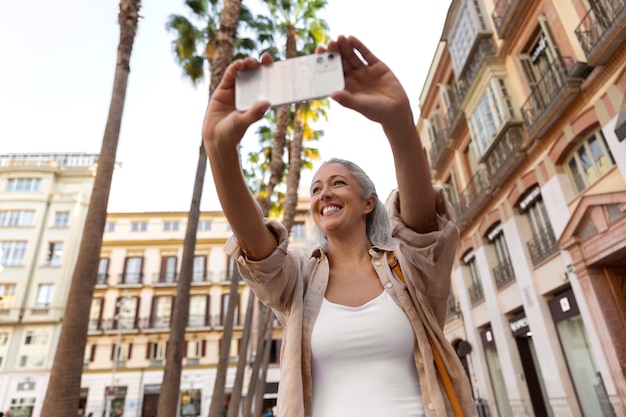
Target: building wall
x=518, y=95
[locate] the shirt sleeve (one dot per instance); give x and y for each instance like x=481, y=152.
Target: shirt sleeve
x=427, y=258
x=275, y=278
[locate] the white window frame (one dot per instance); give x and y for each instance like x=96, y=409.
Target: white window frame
x=23, y=184
x=17, y=218
x=595, y=170
x=61, y=219
x=139, y=226
x=55, y=253
x=490, y=114
x=45, y=295
x=12, y=252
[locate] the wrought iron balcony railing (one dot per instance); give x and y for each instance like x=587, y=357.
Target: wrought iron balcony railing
x=440, y=145
x=504, y=15
x=476, y=293
x=503, y=274
x=504, y=154
x=473, y=197
x=483, y=50
x=551, y=95
x=605, y=19
x=542, y=245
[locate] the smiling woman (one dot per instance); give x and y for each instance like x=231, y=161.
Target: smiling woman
x=356, y=338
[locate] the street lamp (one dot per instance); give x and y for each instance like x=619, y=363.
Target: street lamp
x=121, y=309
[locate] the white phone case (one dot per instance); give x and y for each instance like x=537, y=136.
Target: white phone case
x=290, y=81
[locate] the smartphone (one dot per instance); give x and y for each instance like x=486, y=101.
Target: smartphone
x=290, y=81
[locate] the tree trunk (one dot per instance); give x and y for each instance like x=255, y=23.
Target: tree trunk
x=235, y=396
x=264, y=318
x=265, y=359
x=217, y=399
x=65, y=377
x=170, y=388
x=294, y=170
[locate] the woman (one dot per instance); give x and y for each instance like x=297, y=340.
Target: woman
x=355, y=336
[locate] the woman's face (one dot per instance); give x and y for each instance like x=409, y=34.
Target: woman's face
x=336, y=201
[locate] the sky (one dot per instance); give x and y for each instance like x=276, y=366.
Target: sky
x=56, y=76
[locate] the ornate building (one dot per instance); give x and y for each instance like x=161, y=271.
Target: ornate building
x=523, y=117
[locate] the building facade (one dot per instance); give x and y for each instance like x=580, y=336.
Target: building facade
x=523, y=117
x=43, y=204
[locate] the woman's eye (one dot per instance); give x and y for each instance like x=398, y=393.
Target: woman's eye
x=315, y=190
x=338, y=182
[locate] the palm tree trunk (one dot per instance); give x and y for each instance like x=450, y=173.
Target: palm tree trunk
x=265, y=317
x=267, y=348
x=294, y=171
x=65, y=377
x=170, y=388
x=235, y=396
x=217, y=399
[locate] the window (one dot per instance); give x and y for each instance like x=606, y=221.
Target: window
x=109, y=227
x=168, y=269
x=503, y=271
x=55, y=253
x=543, y=242
x=589, y=161
x=225, y=303
x=452, y=191
x=162, y=311
x=139, y=226
x=298, y=231
x=198, y=310
x=493, y=111
x=194, y=349
x=61, y=219
x=24, y=184
x=204, y=225
x=45, y=293
x=4, y=338
x=199, y=268
x=17, y=218
x=475, y=288
x=31, y=361
x=7, y=295
x=157, y=350
x=126, y=309
x=121, y=352
x=103, y=271
x=12, y=253
x=469, y=24
x=95, y=313
x=36, y=337
x=170, y=226
x=133, y=270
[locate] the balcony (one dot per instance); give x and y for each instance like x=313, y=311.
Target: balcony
x=550, y=97
x=102, y=280
x=10, y=315
x=542, y=245
x=440, y=148
x=42, y=314
x=476, y=293
x=503, y=274
x=505, y=15
x=504, y=155
x=483, y=49
x=473, y=198
x=456, y=95
x=603, y=30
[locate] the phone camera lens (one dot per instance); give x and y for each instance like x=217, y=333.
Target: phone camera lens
x=320, y=60
x=331, y=56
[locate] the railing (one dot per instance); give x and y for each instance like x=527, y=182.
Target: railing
x=102, y=279
x=476, y=293
x=456, y=94
x=485, y=48
x=598, y=22
x=167, y=277
x=503, y=273
x=547, y=90
x=503, y=157
x=472, y=196
x=542, y=245
x=131, y=278
x=440, y=145
x=500, y=13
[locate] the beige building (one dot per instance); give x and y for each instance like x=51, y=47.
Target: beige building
x=43, y=203
x=133, y=304
x=523, y=118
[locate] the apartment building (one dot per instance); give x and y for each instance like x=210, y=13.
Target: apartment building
x=43, y=204
x=133, y=305
x=523, y=116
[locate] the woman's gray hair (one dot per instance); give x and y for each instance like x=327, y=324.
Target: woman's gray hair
x=377, y=225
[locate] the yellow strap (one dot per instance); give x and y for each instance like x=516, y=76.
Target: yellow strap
x=441, y=367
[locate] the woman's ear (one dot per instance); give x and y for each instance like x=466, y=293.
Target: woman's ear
x=370, y=203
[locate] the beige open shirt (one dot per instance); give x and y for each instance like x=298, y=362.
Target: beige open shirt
x=293, y=284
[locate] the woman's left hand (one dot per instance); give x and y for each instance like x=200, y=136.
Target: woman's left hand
x=370, y=86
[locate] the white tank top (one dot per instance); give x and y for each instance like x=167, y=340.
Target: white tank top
x=363, y=364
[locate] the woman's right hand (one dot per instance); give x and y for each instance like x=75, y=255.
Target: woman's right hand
x=224, y=125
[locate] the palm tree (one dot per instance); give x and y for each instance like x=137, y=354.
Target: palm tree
x=65, y=377
x=218, y=44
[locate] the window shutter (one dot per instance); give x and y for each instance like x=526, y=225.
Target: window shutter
x=148, y=349
x=153, y=310
x=137, y=304
x=141, y=270
x=123, y=280
x=185, y=345
x=163, y=271
x=92, y=354
x=113, y=352
x=130, y=350
x=203, y=348
x=207, y=311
